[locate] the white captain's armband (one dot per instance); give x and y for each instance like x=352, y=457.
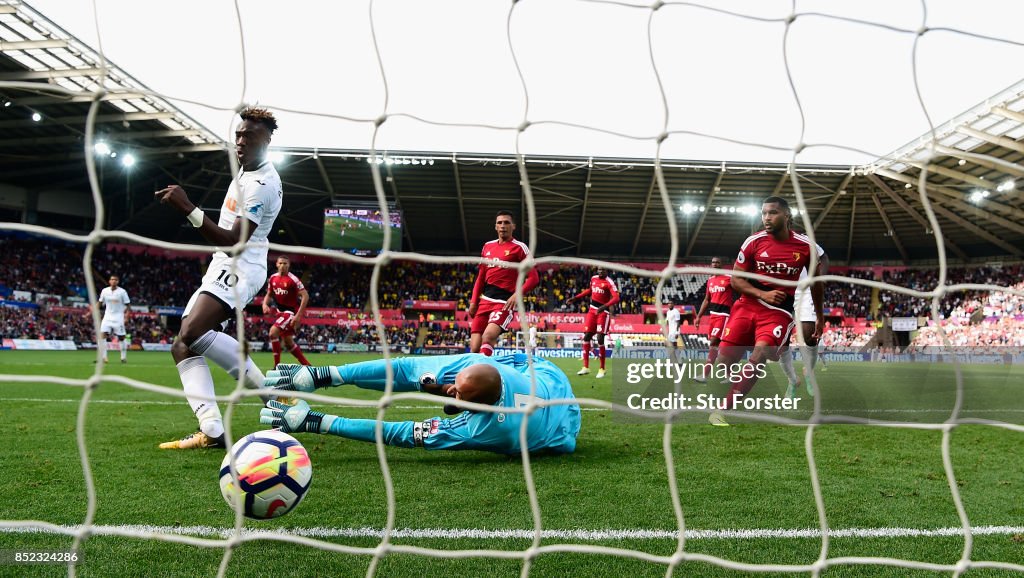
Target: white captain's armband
x=422, y=430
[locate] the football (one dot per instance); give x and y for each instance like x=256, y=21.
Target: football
x=274, y=473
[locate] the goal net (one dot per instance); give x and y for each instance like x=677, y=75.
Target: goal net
x=595, y=543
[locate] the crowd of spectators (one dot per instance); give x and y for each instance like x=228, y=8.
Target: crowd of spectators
x=158, y=280
x=846, y=338
x=446, y=335
x=149, y=279
x=348, y=285
x=31, y=265
x=404, y=335
x=893, y=304
x=42, y=323
x=993, y=319
x=999, y=332
x=853, y=299
x=53, y=267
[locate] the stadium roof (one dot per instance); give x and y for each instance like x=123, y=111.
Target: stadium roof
x=592, y=207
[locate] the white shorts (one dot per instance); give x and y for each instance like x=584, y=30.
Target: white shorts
x=112, y=327
x=804, y=306
x=223, y=283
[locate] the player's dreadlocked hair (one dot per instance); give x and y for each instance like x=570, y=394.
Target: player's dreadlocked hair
x=260, y=115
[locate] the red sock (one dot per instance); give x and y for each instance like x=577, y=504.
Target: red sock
x=487, y=349
x=275, y=346
x=298, y=355
x=742, y=387
x=586, y=354
x=712, y=354
x=600, y=354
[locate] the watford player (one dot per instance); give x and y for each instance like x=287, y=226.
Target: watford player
x=494, y=294
x=762, y=317
x=718, y=299
x=290, y=297
x=603, y=295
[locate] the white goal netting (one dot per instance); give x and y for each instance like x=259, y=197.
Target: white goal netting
x=542, y=541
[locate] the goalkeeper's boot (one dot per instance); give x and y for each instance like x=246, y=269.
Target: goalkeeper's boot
x=717, y=419
x=700, y=379
x=600, y=373
x=196, y=441
x=583, y=371
x=810, y=388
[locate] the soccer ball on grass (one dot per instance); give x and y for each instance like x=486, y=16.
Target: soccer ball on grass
x=274, y=473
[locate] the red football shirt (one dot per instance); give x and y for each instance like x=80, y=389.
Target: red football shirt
x=285, y=289
x=496, y=283
x=761, y=253
x=602, y=291
x=720, y=294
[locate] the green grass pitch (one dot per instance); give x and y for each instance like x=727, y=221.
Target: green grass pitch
x=749, y=477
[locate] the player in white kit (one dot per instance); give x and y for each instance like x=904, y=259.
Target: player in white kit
x=251, y=206
x=804, y=313
x=115, y=313
x=672, y=318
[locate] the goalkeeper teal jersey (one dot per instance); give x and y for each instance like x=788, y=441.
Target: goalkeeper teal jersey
x=552, y=428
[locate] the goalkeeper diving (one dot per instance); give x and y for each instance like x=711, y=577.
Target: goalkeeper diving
x=502, y=381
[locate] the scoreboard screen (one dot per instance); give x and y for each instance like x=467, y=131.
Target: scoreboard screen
x=358, y=228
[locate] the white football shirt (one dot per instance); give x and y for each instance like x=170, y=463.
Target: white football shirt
x=255, y=195
x=672, y=316
x=802, y=301
x=114, y=303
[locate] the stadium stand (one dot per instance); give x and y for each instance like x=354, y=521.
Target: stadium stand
x=158, y=280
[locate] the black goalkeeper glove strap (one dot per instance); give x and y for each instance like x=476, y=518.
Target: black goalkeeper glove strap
x=313, y=420
x=321, y=376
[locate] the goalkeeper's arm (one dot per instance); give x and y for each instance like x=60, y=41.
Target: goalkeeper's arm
x=407, y=372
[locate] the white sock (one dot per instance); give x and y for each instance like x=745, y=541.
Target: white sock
x=198, y=385
x=810, y=355
x=253, y=375
x=222, y=349
x=786, y=361
x=124, y=349
x=103, y=348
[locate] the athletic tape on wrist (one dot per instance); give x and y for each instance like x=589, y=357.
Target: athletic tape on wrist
x=196, y=217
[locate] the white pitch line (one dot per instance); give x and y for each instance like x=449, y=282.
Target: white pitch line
x=147, y=531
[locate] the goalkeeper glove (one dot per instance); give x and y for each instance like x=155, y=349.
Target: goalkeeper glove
x=293, y=377
x=295, y=418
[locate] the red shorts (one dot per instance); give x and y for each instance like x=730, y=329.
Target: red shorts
x=283, y=321
x=751, y=322
x=490, y=312
x=716, y=325
x=597, y=322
